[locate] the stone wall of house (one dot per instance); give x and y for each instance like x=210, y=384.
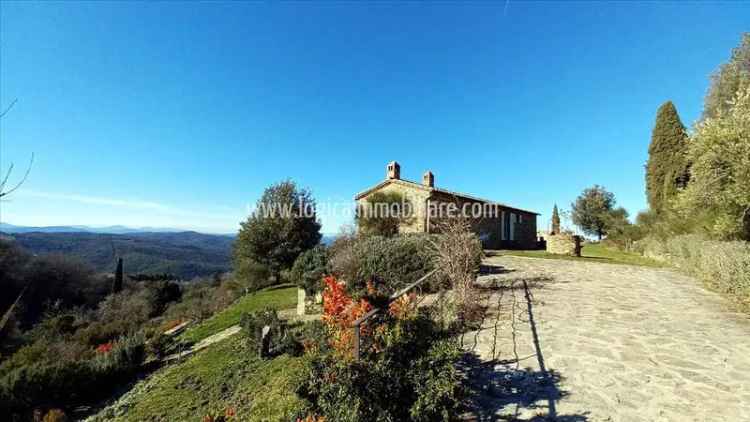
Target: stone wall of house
x=489, y=228
x=563, y=244
x=417, y=197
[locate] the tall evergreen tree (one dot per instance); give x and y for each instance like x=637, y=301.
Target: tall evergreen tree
x=555, y=220
x=667, y=167
x=117, y=283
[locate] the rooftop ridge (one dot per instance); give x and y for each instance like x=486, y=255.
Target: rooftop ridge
x=440, y=190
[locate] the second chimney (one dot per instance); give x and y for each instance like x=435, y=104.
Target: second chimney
x=428, y=179
x=393, y=171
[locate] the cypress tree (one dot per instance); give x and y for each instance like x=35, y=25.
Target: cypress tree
x=667, y=167
x=117, y=284
x=555, y=220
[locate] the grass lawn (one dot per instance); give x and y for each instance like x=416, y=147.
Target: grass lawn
x=591, y=253
x=279, y=297
x=225, y=375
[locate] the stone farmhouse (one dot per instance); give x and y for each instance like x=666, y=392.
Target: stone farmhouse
x=498, y=225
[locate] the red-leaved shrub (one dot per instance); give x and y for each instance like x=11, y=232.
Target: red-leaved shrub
x=104, y=348
x=339, y=313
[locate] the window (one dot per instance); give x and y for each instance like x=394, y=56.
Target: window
x=502, y=225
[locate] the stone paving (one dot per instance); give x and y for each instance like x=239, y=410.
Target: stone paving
x=580, y=341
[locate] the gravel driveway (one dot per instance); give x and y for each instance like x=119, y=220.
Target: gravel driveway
x=580, y=341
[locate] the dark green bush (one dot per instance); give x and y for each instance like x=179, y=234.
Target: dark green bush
x=413, y=378
x=162, y=294
x=309, y=268
x=437, y=383
x=391, y=262
x=51, y=279
x=68, y=383
x=159, y=345
x=40, y=385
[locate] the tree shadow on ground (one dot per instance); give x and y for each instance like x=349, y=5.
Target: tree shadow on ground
x=513, y=283
x=490, y=269
x=501, y=390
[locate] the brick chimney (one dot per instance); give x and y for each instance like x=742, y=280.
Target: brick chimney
x=393, y=171
x=428, y=179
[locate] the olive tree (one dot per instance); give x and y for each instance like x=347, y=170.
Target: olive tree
x=595, y=213
x=718, y=196
x=283, y=225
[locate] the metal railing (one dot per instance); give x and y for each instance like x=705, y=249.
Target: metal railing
x=357, y=326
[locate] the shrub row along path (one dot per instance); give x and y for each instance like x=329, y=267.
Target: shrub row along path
x=581, y=341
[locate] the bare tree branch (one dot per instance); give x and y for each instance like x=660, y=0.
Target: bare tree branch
x=9, y=312
x=21, y=182
x=7, y=175
x=8, y=108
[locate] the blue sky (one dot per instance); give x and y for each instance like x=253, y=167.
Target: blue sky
x=179, y=114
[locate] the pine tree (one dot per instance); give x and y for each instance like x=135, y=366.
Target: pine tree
x=555, y=220
x=667, y=167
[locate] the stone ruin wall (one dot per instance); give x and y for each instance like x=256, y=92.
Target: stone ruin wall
x=563, y=244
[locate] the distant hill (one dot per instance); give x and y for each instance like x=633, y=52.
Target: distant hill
x=10, y=228
x=327, y=239
x=184, y=254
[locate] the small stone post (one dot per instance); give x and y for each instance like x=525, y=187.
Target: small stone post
x=301, y=299
x=265, y=342
x=578, y=240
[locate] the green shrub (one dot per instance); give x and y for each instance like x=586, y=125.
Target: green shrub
x=392, y=262
x=625, y=236
x=311, y=335
x=437, y=383
x=162, y=294
x=412, y=377
x=41, y=384
x=198, y=303
x=309, y=268
x=126, y=356
x=119, y=314
x=159, y=345
x=383, y=213
x=253, y=274
x=278, y=338
x=67, y=383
